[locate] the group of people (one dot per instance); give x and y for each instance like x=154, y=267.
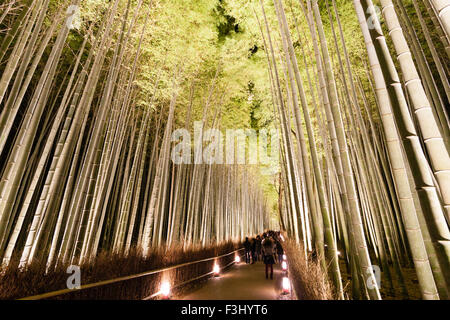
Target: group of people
x=266, y=247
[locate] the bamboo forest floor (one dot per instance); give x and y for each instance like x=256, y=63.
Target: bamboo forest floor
x=411, y=282
x=241, y=282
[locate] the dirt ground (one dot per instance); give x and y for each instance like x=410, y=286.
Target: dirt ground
x=411, y=282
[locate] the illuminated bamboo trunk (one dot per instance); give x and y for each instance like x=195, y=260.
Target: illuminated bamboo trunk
x=363, y=256
x=379, y=60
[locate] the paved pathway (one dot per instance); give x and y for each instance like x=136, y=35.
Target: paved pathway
x=241, y=282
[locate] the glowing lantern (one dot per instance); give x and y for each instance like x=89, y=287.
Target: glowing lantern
x=237, y=259
x=284, y=265
x=284, y=257
x=216, y=270
x=338, y=253
x=286, y=285
x=165, y=289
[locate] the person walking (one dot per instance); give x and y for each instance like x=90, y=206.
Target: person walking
x=258, y=248
x=268, y=249
x=253, y=251
x=247, y=250
x=280, y=251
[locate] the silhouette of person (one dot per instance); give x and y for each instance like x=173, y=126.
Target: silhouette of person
x=268, y=248
x=247, y=249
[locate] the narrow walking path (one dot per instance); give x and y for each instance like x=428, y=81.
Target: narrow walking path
x=242, y=282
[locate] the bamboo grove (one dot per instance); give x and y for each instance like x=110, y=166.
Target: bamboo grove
x=358, y=90
x=84, y=167
x=377, y=191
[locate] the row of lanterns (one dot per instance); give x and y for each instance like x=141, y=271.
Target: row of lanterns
x=165, y=288
x=286, y=283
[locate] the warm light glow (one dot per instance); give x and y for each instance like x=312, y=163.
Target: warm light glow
x=284, y=265
x=165, y=289
x=216, y=269
x=237, y=259
x=339, y=253
x=281, y=236
x=286, y=285
x=284, y=257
